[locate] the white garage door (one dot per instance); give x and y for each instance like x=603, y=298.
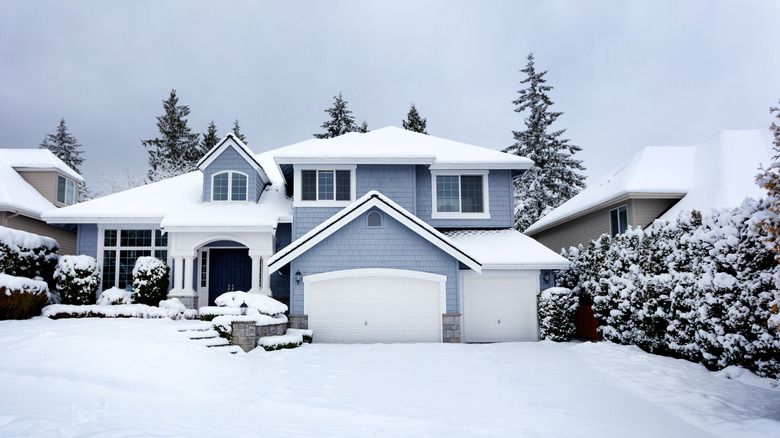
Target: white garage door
x=375, y=306
x=499, y=308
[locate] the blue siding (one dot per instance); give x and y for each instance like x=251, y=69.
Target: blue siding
x=394, y=181
x=306, y=218
x=501, y=206
x=229, y=159
x=87, y=240
x=392, y=246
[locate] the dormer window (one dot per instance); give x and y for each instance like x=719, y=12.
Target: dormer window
x=66, y=190
x=229, y=186
x=331, y=186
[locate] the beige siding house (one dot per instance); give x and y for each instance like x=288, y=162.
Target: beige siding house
x=34, y=181
x=659, y=183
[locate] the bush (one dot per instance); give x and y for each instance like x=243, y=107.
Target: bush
x=150, y=281
x=115, y=297
x=21, y=298
x=78, y=278
x=28, y=255
x=556, y=314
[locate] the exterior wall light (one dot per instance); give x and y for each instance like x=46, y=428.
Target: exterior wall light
x=243, y=308
x=546, y=277
x=298, y=277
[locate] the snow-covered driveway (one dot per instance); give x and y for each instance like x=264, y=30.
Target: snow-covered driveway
x=128, y=378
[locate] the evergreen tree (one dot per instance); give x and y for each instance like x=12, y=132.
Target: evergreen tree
x=210, y=138
x=68, y=149
x=341, y=120
x=237, y=132
x=177, y=150
x=554, y=178
x=414, y=122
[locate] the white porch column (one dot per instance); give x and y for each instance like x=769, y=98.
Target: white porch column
x=266, y=283
x=188, y=290
x=256, y=260
x=178, y=268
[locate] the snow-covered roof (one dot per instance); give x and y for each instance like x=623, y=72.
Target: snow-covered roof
x=506, y=249
x=231, y=140
x=177, y=202
x=37, y=159
x=392, y=145
x=717, y=173
x=16, y=194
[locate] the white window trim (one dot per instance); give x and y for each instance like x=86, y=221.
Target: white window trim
x=65, y=195
x=298, y=202
x=230, y=185
x=101, y=247
x=457, y=215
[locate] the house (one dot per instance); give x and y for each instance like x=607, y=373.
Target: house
x=32, y=182
x=660, y=182
x=389, y=235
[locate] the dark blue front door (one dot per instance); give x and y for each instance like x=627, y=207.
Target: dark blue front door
x=229, y=269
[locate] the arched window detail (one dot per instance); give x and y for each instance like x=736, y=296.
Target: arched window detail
x=229, y=186
x=374, y=219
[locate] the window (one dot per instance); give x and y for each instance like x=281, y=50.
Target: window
x=460, y=196
x=324, y=185
x=66, y=190
x=374, y=219
x=229, y=186
x=618, y=220
x=121, y=249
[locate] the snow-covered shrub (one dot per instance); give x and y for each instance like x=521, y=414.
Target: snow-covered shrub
x=21, y=298
x=150, y=281
x=28, y=255
x=78, y=278
x=262, y=303
x=115, y=297
x=556, y=314
x=58, y=311
x=292, y=339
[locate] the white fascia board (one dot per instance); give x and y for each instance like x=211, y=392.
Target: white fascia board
x=353, y=160
x=21, y=211
x=534, y=266
x=218, y=229
x=101, y=220
x=481, y=166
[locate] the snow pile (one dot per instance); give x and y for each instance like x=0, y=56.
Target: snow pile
x=58, y=311
x=699, y=288
x=115, y=296
x=259, y=302
x=78, y=278
x=556, y=314
x=291, y=339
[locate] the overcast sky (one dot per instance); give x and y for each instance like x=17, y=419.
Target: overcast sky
x=625, y=74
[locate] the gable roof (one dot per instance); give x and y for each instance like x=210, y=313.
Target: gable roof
x=392, y=145
x=348, y=214
x=230, y=140
x=715, y=174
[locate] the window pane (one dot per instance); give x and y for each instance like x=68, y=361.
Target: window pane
x=308, y=185
x=471, y=194
x=343, y=185
x=447, y=194
x=126, y=264
x=622, y=219
x=613, y=222
x=238, y=191
x=70, y=192
x=161, y=254
x=160, y=239
x=204, y=266
x=60, y=189
x=135, y=238
x=109, y=269
x=220, y=189
x=325, y=184
x=109, y=238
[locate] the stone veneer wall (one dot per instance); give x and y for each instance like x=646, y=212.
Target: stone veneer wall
x=451, y=328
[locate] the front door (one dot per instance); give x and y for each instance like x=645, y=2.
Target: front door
x=229, y=270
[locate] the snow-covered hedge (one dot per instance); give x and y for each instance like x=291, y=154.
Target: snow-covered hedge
x=28, y=255
x=556, y=314
x=150, y=280
x=77, y=278
x=262, y=303
x=172, y=308
x=699, y=288
x=115, y=296
x=21, y=298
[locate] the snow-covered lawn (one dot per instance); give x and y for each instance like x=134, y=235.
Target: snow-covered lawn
x=140, y=378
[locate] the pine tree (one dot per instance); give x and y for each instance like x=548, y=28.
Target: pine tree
x=341, y=120
x=177, y=150
x=210, y=138
x=68, y=149
x=414, y=122
x=237, y=132
x=554, y=178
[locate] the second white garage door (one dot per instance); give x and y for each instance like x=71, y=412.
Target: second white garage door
x=375, y=305
x=499, y=308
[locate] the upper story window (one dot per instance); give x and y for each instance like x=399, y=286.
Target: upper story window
x=229, y=186
x=66, y=190
x=325, y=186
x=618, y=220
x=460, y=195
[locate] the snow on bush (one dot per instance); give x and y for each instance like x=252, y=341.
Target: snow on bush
x=77, y=279
x=262, y=303
x=291, y=339
x=699, y=288
x=150, y=281
x=57, y=311
x=21, y=298
x=115, y=296
x=29, y=255
x=556, y=314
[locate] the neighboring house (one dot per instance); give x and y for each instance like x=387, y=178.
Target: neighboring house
x=659, y=183
x=32, y=182
x=385, y=236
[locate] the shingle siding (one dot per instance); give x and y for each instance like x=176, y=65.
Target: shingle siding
x=392, y=246
x=397, y=182
x=229, y=159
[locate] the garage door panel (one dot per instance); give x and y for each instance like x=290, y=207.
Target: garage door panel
x=499, y=308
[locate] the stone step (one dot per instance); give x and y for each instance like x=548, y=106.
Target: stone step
x=212, y=342
x=194, y=326
x=231, y=349
x=201, y=334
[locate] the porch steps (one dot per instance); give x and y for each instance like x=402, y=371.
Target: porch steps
x=203, y=333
